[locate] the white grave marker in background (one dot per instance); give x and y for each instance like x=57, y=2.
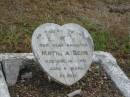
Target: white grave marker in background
x=64, y=52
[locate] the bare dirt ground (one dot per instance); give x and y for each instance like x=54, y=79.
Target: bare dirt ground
x=94, y=84
x=108, y=21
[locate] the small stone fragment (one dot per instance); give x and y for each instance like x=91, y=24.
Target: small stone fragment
x=27, y=75
x=76, y=93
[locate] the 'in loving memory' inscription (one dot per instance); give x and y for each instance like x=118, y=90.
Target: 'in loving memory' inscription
x=62, y=51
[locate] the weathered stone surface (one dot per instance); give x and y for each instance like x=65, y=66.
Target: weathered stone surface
x=64, y=52
x=75, y=93
x=12, y=63
x=106, y=59
x=113, y=70
x=23, y=56
x=27, y=75
x=11, y=69
x=3, y=87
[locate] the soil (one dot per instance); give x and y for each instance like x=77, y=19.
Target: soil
x=95, y=84
x=19, y=18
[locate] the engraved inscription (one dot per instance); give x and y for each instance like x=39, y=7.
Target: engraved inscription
x=63, y=51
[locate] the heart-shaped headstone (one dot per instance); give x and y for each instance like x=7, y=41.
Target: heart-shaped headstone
x=64, y=52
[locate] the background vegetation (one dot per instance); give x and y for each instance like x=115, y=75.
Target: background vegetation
x=108, y=22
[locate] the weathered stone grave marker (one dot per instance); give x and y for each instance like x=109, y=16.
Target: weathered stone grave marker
x=64, y=52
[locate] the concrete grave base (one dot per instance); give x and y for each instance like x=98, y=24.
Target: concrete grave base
x=13, y=62
x=3, y=86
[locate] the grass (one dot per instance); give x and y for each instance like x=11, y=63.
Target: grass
x=110, y=31
x=19, y=39
x=115, y=1
x=19, y=20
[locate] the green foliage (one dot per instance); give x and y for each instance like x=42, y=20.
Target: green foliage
x=20, y=35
